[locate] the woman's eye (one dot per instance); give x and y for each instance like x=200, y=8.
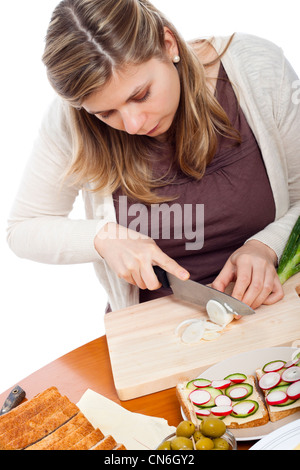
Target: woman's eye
x=105, y=116
x=144, y=97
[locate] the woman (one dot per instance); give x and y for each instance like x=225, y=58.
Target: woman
x=146, y=124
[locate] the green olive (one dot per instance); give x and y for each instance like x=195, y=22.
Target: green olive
x=197, y=435
x=221, y=444
x=185, y=429
x=181, y=443
x=204, y=444
x=166, y=445
x=213, y=427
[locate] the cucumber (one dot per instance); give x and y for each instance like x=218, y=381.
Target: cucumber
x=289, y=263
x=235, y=386
x=198, y=383
x=214, y=393
x=236, y=378
x=284, y=389
x=246, y=402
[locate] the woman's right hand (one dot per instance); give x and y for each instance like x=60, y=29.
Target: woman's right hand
x=132, y=255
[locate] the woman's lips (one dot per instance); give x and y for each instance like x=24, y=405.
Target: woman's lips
x=153, y=130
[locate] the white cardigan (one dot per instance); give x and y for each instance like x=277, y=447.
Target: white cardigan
x=39, y=228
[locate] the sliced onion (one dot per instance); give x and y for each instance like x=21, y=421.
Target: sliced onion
x=193, y=332
x=185, y=322
x=218, y=314
x=211, y=335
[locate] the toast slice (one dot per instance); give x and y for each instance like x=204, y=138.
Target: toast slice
x=50, y=421
x=259, y=418
x=278, y=412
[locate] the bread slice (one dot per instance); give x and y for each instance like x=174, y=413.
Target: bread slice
x=50, y=421
x=278, y=412
x=257, y=419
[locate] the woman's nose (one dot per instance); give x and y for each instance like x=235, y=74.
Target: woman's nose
x=133, y=121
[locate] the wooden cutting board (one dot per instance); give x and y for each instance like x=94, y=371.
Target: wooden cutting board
x=147, y=356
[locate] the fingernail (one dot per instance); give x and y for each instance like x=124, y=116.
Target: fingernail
x=184, y=274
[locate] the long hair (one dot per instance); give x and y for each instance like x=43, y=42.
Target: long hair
x=86, y=42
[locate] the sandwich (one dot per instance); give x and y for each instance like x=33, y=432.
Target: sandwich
x=234, y=399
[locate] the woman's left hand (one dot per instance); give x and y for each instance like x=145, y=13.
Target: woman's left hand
x=252, y=268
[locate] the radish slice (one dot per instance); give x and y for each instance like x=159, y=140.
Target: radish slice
x=223, y=400
x=273, y=366
x=269, y=380
x=276, y=397
x=200, y=383
x=292, y=374
x=203, y=412
x=243, y=408
x=221, y=410
x=199, y=397
x=293, y=391
x=238, y=392
x=236, y=378
x=218, y=314
x=194, y=332
x=291, y=363
x=220, y=384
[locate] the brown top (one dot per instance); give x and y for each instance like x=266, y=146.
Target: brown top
x=234, y=194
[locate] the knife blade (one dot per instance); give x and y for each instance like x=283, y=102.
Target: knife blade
x=14, y=398
x=200, y=294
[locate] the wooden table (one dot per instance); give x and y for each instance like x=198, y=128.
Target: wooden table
x=89, y=367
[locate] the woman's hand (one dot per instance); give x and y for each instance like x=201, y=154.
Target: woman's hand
x=131, y=256
x=252, y=267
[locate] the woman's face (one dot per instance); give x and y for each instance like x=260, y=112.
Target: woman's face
x=140, y=100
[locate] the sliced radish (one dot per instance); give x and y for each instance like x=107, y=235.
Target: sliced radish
x=220, y=384
x=269, y=380
x=238, y=392
x=221, y=410
x=291, y=363
x=273, y=366
x=292, y=374
x=218, y=313
x=276, y=397
x=199, y=383
x=203, y=412
x=293, y=390
x=199, y=397
x=236, y=378
x=222, y=400
x=243, y=408
x=193, y=332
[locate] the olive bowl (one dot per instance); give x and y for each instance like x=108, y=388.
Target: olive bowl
x=228, y=436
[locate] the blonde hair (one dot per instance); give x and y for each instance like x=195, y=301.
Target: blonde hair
x=87, y=40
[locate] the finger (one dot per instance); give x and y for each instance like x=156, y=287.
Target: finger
x=277, y=294
x=260, y=289
x=170, y=265
x=226, y=275
x=149, y=278
x=243, y=280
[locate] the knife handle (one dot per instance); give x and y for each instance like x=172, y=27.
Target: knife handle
x=14, y=399
x=161, y=276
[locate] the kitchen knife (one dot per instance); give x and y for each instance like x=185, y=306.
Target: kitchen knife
x=199, y=294
x=14, y=399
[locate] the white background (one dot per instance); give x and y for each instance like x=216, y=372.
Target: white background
x=47, y=311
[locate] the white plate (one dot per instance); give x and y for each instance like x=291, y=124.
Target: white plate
x=247, y=363
x=285, y=438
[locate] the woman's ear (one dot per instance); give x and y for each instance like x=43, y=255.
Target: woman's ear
x=170, y=43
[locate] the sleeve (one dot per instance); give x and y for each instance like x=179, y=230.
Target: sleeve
x=287, y=117
x=39, y=227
